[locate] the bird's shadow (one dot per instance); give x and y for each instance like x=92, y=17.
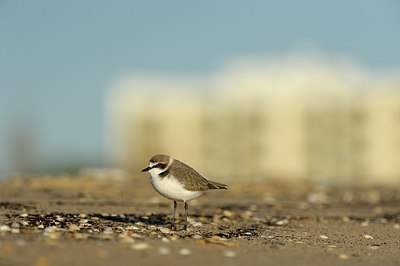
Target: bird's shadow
x=152, y=219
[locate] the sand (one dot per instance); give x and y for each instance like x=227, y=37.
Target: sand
x=89, y=221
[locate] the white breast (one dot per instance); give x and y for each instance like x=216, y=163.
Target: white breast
x=172, y=189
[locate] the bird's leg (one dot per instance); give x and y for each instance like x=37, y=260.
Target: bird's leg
x=186, y=211
x=173, y=218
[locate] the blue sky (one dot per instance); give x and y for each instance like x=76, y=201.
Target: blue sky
x=58, y=58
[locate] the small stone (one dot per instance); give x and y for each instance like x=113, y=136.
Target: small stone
x=368, y=237
x=108, y=231
x=365, y=223
x=15, y=225
x=248, y=214
x=165, y=230
x=317, y=198
x=197, y=224
x=24, y=223
x=343, y=257
x=228, y=214
x=15, y=230
x=80, y=236
x=164, y=251
x=165, y=240
x=282, y=222
x=269, y=200
x=140, y=246
x=73, y=227
x=185, y=251
x=229, y=253
x=373, y=247
x=132, y=228
x=396, y=226
x=196, y=237
x=127, y=240
x=5, y=228
x=123, y=235
x=174, y=237
x=137, y=236
x=345, y=219
x=323, y=237
x=40, y=226
x=50, y=229
x=247, y=234
x=23, y=215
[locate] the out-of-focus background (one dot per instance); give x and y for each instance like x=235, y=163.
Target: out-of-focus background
x=291, y=90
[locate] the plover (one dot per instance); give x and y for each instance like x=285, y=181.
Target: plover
x=177, y=181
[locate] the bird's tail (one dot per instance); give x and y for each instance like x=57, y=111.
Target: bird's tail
x=216, y=185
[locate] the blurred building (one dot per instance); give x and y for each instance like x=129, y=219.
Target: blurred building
x=318, y=119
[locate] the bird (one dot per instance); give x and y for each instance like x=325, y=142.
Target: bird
x=177, y=181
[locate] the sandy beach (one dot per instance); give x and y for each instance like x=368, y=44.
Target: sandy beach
x=69, y=220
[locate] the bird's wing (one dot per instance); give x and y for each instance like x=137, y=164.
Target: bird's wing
x=191, y=179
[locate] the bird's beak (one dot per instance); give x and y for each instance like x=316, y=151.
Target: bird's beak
x=146, y=169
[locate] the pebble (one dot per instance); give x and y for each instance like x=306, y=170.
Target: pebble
x=174, y=237
x=248, y=214
x=15, y=230
x=73, y=227
x=50, y=229
x=345, y=219
x=5, y=228
x=164, y=251
x=83, y=221
x=282, y=222
x=229, y=253
x=323, y=237
x=132, y=228
x=15, y=225
x=185, y=251
x=343, y=256
x=80, y=236
x=228, y=214
x=165, y=230
x=368, y=237
x=140, y=246
x=165, y=240
x=23, y=215
x=127, y=240
x=40, y=226
x=108, y=231
x=373, y=247
x=196, y=237
x=24, y=223
x=197, y=224
x=269, y=200
x=396, y=226
x=137, y=236
x=365, y=223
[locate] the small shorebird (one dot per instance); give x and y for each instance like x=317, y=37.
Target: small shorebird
x=177, y=181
